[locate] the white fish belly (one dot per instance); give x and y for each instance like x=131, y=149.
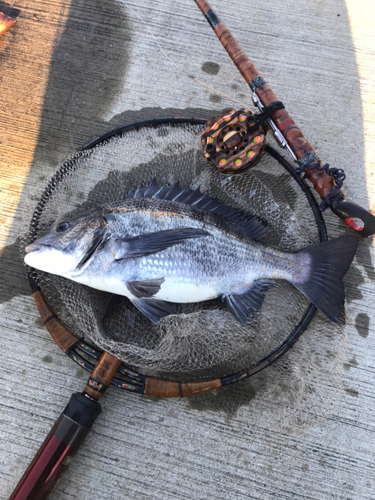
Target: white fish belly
x=109, y=284
x=171, y=290
x=185, y=292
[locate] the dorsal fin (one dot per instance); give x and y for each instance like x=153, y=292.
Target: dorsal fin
x=251, y=225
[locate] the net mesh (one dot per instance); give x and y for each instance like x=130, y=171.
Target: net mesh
x=203, y=337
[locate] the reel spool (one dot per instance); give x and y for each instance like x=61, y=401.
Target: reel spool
x=230, y=142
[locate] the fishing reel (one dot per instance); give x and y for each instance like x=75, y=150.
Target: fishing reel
x=233, y=141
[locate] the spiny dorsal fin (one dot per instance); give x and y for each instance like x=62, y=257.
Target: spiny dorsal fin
x=251, y=225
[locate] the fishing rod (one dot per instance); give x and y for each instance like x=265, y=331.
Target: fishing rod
x=327, y=181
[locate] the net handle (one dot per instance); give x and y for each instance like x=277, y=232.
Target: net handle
x=57, y=450
x=74, y=423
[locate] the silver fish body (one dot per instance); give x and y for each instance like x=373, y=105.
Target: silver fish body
x=161, y=251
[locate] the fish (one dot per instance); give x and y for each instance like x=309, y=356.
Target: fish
x=162, y=245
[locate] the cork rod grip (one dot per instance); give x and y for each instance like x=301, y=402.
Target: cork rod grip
x=321, y=180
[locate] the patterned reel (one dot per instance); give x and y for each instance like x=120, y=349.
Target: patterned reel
x=230, y=143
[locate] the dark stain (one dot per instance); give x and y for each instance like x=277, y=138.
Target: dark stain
x=352, y=363
x=227, y=399
x=352, y=392
x=364, y=257
x=354, y=277
x=39, y=323
x=353, y=280
x=14, y=280
x=305, y=468
x=215, y=98
x=362, y=323
x=81, y=374
x=234, y=86
x=47, y=359
x=210, y=67
x=129, y=117
x=8, y=10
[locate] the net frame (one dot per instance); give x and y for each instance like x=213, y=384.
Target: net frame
x=83, y=353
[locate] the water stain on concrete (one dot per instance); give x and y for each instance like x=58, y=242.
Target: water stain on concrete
x=14, y=280
x=227, y=399
x=364, y=255
x=352, y=281
x=362, y=324
x=129, y=117
x=9, y=10
x=39, y=323
x=47, y=359
x=211, y=68
x=352, y=392
x=87, y=70
x=352, y=363
x=215, y=98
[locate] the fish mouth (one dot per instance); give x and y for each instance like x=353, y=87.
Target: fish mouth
x=33, y=248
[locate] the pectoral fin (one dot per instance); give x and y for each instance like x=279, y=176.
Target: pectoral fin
x=145, y=288
x=241, y=305
x=147, y=244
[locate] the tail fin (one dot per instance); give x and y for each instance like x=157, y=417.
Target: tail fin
x=329, y=262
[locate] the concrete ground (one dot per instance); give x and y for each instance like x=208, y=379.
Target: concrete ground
x=302, y=429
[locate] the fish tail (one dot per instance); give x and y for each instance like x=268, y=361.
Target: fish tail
x=321, y=281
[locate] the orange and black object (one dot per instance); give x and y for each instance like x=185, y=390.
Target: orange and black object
x=287, y=133
x=8, y=16
x=230, y=144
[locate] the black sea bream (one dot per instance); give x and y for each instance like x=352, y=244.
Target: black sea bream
x=164, y=245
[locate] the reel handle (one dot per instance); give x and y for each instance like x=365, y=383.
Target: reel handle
x=61, y=444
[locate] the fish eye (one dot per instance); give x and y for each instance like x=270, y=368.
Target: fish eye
x=62, y=227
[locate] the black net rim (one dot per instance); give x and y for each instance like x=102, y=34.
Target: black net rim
x=137, y=380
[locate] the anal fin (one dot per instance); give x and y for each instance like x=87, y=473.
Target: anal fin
x=241, y=305
x=153, y=309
